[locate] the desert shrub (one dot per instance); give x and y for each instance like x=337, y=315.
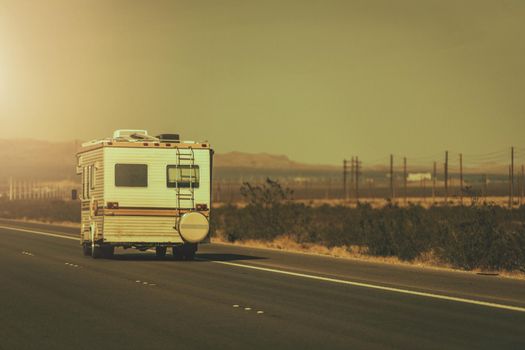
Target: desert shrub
x=265, y=216
x=485, y=237
x=389, y=231
x=467, y=237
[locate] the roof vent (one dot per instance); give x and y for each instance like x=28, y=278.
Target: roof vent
x=173, y=138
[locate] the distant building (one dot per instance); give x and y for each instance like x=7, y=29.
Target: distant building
x=419, y=176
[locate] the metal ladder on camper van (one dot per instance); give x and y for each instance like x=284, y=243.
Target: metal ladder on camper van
x=185, y=194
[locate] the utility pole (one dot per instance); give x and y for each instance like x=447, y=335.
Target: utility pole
x=522, y=183
x=511, y=177
x=446, y=177
x=461, y=178
x=519, y=188
x=352, y=173
x=405, y=180
x=357, y=179
x=392, y=193
x=434, y=179
x=510, y=186
x=345, y=192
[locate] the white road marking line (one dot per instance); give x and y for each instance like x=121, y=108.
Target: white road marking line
x=326, y=279
x=378, y=287
x=72, y=265
x=144, y=283
x=40, y=233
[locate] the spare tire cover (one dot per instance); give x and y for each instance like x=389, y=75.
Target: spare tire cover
x=193, y=227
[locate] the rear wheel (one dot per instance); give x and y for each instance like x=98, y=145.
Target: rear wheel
x=96, y=252
x=188, y=251
x=86, y=249
x=160, y=252
x=105, y=251
x=178, y=252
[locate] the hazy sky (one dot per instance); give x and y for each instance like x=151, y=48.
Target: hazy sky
x=315, y=80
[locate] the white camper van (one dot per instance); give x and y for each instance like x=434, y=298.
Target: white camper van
x=143, y=192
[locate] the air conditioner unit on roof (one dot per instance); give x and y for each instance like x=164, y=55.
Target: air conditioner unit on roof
x=127, y=133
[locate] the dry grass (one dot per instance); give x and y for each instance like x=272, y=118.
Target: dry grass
x=422, y=201
x=427, y=260
x=376, y=203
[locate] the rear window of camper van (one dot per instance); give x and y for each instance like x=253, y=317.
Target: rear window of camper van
x=182, y=176
x=131, y=175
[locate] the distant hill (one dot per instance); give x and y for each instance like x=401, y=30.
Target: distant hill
x=44, y=160
x=37, y=160
x=263, y=161
x=29, y=159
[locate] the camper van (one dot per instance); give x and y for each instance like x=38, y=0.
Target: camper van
x=144, y=192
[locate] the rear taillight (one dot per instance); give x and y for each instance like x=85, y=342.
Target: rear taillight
x=201, y=206
x=112, y=205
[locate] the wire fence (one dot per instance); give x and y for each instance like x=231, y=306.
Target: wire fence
x=449, y=177
x=446, y=177
x=23, y=189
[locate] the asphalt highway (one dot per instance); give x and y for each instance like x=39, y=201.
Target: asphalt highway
x=231, y=297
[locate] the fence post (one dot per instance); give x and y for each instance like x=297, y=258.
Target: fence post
x=434, y=179
x=405, y=180
x=446, y=177
x=392, y=191
x=461, y=178
x=11, y=188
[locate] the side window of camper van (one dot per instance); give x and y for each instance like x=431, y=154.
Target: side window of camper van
x=182, y=176
x=85, y=178
x=131, y=175
x=88, y=183
x=92, y=178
